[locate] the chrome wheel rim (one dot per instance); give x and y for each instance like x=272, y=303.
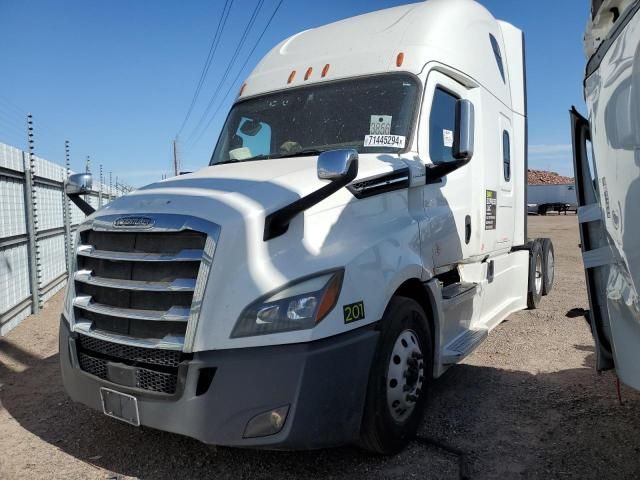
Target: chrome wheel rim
x=538, y=273
x=405, y=375
x=550, y=266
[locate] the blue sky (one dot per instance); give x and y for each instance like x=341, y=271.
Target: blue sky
x=116, y=78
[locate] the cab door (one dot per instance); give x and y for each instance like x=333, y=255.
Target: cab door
x=504, y=201
x=450, y=202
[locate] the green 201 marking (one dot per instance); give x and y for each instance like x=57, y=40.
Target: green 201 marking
x=353, y=312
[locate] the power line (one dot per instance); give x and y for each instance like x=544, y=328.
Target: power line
x=207, y=64
x=246, y=61
x=234, y=56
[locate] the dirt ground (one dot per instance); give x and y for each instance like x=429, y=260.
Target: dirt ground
x=526, y=404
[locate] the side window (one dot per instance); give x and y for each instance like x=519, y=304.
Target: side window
x=497, y=54
x=506, y=155
x=441, y=126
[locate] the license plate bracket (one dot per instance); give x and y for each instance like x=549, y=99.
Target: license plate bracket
x=120, y=406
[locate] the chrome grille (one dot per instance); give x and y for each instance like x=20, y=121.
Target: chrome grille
x=137, y=284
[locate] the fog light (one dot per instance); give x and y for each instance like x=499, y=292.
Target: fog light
x=266, y=423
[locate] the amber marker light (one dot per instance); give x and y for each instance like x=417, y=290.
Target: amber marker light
x=308, y=73
x=330, y=297
x=399, y=59
x=292, y=75
x=325, y=70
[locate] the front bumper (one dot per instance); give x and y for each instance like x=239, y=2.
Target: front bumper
x=323, y=382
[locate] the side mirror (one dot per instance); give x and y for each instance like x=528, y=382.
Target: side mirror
x=463, y=134
x=337, y=165
x=78, y=183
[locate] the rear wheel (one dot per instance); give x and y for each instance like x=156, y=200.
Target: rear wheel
x=548, y=262
x=399, y=380
x=536, y=275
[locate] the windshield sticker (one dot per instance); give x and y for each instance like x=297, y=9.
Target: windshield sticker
x=380, y=125
x=393, y=141
x=447, y=138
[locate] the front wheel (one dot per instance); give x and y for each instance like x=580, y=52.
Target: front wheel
x=400, y=377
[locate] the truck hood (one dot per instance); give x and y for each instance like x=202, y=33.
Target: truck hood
x=246, y=188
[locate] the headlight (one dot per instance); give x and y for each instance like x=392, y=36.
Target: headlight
x=297, y=306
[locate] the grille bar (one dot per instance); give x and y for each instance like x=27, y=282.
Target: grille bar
x=173, y=342
x=177, y=285
x=174, y=314
x=187, y=255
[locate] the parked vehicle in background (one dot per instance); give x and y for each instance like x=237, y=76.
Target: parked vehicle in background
x=361, y=227
x=550, y=197
x=607, y=168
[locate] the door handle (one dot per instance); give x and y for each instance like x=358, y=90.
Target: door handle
x=467, y=229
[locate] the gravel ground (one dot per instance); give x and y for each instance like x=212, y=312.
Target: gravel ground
x=526, y=404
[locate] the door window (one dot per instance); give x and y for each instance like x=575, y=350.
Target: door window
x=441, y=126
x=506, y=155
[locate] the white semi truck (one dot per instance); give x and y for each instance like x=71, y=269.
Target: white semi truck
x=606, y=148
x=360, y=228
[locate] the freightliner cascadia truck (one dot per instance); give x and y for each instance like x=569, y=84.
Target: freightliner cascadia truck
x=606, y=148
x=360, y=228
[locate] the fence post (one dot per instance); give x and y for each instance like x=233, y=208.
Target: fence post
x=100, y=189
x=31, y=218
x=66, y=211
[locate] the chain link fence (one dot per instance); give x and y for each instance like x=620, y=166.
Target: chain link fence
x=37, y=225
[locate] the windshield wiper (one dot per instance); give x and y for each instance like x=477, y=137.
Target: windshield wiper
x=304, y=152
x=257, y=157
x=308, y=151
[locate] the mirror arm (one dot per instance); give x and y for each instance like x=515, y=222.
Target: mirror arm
x=80, y=203
x=277, y=223
x=435, y=172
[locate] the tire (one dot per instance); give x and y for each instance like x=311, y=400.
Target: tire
x=548, y=262
x=403, y=358
x=536, y=274
x=542, y=210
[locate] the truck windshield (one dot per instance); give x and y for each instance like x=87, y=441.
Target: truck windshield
x=370, y=114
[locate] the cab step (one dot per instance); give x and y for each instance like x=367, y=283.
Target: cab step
x=463, y=345
x=457, y=289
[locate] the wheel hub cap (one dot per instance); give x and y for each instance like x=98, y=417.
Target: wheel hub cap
x=405, y=375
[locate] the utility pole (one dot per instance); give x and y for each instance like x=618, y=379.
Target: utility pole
x=175, y=157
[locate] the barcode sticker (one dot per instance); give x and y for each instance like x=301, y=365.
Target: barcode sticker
x=394, y=141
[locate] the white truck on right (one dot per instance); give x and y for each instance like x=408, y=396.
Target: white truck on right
x=607, y=173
